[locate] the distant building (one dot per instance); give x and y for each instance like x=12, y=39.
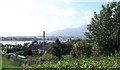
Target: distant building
x=9, y=46
x=37, y=46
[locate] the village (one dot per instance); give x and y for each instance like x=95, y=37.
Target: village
x=21, y=54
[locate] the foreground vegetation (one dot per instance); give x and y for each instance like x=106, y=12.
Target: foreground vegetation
x=104, y=62
x=68, y=62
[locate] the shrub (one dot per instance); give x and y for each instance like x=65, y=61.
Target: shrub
x=35, y=52
x=48, y=58
x=81, y=49
x=67, y=57
x=55, y=49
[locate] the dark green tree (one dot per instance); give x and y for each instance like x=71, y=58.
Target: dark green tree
x=35, y=42
x=58, y=42
x=104, y=30
x=10, y=50
x=55, y=49
x=66, y=48
x=25, y=51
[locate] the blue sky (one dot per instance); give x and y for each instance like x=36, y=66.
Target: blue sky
x=31, y=17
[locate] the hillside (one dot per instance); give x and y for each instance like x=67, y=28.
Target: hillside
x=70, y=31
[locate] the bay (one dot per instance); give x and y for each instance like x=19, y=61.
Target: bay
x=14, y=42
x=22, y=42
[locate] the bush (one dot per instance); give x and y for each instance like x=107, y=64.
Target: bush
x=67, y=57
x=25, y=52
x=10, y=51
x=35, y=52
x=73, y=54
x=81, y=49
x=48, y=58
x=55, y=49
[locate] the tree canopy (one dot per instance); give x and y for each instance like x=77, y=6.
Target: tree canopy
x=104, y=29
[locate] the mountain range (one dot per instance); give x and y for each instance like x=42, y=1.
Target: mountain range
x=79, y=31
x=64, y=34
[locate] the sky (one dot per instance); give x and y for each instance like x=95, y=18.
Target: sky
x=32, y=17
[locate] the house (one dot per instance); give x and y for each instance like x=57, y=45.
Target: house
x=9, y=46
x=38, y=46
x=34, y=46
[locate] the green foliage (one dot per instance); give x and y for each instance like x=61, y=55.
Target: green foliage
x=25, y=51
x=48, y=58
x=104, y=30
x=6, y=63
x=73, y=54
x=35, y=52
x=58, y=42
x=55, y=49
x=81, y=49
x=105, y=62
x=17, y=48
x=58, y=49
x=95, y=50
x=67, y=57
x=10, y=50
x=66, y=48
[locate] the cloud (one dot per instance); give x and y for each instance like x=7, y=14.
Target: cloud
x=58, y=1
x=29, y=17
x=87, y=16
x=56, y=11
x=71, y=1
x=85, y=19
x=18, y=17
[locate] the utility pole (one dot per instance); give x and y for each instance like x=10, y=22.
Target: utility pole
x=43, y=41
x=15, y=42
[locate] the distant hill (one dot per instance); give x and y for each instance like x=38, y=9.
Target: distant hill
x=62, y=34
x=70, y=31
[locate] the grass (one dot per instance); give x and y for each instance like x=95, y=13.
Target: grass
x=0, y=62
x=6, y=63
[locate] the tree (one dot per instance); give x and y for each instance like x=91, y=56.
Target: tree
x=58, y=42
x=55, y=49
x=81, y=49
x=104, y=29
x=66, y=48
x=35, y=42
x=73, y=54
x=25, y=51
x=10, y=50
